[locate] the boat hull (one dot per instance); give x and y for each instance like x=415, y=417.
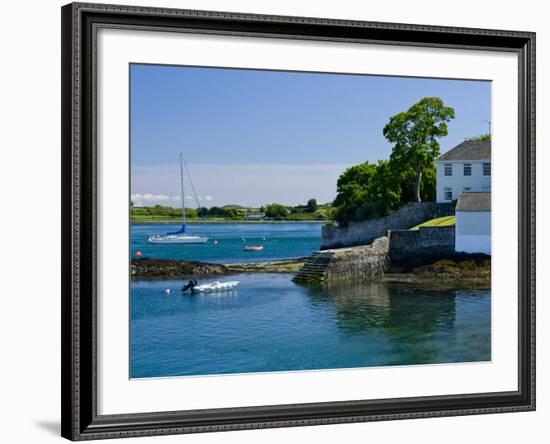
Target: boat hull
x=215, y=287
x=177, y=240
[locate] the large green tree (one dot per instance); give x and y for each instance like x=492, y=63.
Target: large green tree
x=415, y=135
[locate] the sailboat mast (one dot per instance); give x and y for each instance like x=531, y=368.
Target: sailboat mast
x=182, y=191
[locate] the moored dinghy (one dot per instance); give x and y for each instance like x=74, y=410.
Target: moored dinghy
x=193, y=286
x=216, y=286
x=248, y=247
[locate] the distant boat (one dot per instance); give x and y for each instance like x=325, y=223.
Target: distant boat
x=248, y=247
x=179, y=237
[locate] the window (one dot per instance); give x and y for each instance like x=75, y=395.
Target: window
x=447, y=193
x=486, y=169
x=448, y=169
x=467, y=169
x=466, y=189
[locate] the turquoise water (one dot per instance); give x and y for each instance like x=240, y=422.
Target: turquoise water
x=280, y=241
x=269, y=323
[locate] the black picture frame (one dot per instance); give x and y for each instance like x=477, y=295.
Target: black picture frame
x=80, y=420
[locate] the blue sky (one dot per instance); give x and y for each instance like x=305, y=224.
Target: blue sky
x=254, y=137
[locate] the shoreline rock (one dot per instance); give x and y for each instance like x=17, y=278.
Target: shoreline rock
x=458, y=272
x=146, y=268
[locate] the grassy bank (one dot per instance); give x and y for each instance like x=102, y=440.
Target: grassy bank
x=446, y=221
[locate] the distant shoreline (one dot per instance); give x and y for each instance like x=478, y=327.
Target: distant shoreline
x=198, y=222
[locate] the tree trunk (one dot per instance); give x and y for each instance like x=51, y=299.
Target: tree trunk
x=418, y=179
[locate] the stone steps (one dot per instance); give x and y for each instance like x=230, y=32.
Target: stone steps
x=314, y=269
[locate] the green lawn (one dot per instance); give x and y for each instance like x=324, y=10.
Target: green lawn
x=447, y=221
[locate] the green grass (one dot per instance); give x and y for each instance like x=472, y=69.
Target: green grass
x=447, y=221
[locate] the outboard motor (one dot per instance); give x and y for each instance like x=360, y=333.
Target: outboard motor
x=190, y=285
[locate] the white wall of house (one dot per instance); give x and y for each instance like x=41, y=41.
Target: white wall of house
x=473, y=232
x=457, y=183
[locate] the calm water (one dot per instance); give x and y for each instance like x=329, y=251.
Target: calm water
x=280, y=241
x=271, y=324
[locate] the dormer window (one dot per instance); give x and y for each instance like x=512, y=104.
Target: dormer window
x=448, y=168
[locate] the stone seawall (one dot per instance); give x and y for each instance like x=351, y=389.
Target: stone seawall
x=363, y=233
x=398, y=250
x=414, y=247
x=360, y=263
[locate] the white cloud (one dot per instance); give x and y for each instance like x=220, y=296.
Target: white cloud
x=146, y=199
x=209, y=198
x=148, y=196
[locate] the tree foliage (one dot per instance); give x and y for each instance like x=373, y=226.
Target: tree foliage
x=312, y=205
x=368, y=191
x=415, y=135
x=276, y=211
x=481, y=138
x=351, y=191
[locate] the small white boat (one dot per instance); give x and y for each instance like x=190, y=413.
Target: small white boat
x=216, y=286
x=248, y=247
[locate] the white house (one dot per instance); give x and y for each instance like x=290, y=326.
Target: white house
x=473, y=223
x=465, y=168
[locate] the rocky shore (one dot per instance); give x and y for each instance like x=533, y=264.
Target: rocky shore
x=459, y=271
x=145, y=268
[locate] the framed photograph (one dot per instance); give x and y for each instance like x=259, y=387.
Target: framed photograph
x=282, y=221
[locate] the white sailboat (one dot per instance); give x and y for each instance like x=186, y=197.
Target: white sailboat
x=178, y=237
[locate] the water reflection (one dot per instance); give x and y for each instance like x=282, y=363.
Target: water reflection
x=268, y=323
x=414, y=321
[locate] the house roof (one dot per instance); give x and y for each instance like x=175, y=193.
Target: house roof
x=472, y=201
x=469, y=150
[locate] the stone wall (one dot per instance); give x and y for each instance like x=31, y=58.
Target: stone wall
x=414, y=247
x=363, y=233
x=361, y=263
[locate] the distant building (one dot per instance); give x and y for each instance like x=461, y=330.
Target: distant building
x=465, y=168
x=254, y=216
x=473, y=223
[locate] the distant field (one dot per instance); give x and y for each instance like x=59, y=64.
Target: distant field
x=447, y=221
